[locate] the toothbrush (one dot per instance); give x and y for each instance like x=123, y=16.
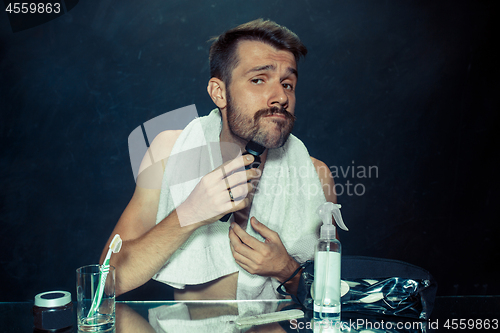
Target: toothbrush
x=114, y=247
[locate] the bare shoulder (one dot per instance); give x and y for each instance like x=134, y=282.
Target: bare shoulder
x=160, y=148
x=153, y=163
x=165, y=138
x=140, y=214
x=326, y=179
x=322, y=169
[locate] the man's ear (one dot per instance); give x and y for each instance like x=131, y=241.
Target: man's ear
x=217, y=91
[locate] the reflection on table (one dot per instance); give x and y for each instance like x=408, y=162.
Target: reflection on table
x=221, y=316
x=205, y=316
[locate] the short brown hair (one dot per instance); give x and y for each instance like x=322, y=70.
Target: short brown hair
x=223, y=57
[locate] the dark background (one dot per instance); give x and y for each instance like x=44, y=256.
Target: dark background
x=408, y=87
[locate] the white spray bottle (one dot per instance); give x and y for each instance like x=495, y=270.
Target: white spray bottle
x=327, y=265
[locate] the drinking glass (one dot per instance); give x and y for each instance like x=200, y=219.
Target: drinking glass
x=87, y=284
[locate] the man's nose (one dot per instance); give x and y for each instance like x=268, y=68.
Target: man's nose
x=278, y=96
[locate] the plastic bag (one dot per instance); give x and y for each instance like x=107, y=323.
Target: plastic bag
x=392, y=296
x=410, y=295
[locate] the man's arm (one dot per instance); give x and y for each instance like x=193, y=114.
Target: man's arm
x=326, y=179
x=137, y=262
x=147, y=245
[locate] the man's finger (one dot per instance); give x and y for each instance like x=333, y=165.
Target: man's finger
x=240, y=258
x=237, y=164
x=262, y=229
x=242, y=177
x=245, y=238
x=239, y=249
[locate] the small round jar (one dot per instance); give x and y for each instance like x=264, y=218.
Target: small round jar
x=53, y=311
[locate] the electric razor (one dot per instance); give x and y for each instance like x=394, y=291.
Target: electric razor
x=252, y=148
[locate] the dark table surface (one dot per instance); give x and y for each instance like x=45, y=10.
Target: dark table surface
x=454, y=313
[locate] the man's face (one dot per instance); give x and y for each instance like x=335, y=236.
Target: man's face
x=261, y=95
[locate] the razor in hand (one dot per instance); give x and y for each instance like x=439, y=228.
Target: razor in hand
x=255, y=149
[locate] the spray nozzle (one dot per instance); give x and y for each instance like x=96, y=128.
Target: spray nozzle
x=325, y=212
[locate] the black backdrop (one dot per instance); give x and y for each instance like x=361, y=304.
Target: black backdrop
x=408, y=88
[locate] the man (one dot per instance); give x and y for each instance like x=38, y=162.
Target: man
x=254, y=77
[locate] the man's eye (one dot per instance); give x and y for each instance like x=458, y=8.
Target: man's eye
x=257, y=81
x=288, y=86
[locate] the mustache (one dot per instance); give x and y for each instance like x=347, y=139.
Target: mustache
x=274, y=110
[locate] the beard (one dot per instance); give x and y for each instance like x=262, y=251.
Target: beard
x=251, y=128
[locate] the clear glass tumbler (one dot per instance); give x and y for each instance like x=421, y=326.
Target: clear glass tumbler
x=88, y=280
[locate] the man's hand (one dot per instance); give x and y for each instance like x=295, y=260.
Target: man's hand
x=268, y=258
x=211, y=198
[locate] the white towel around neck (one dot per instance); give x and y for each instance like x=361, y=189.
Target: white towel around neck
x=287, y=197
